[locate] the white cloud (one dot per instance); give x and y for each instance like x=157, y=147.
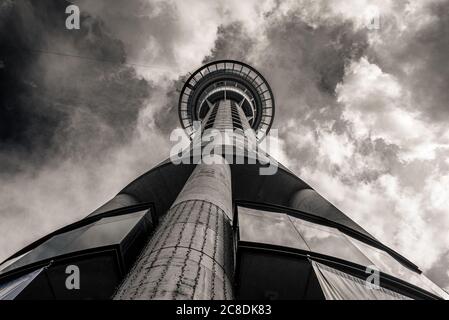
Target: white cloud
x=377, y=105
x=338, y=148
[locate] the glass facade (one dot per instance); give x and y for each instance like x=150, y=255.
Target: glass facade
x=104, y=232
x=391, y=266
x=284, y=230
x=328, y=241
x=270, y=228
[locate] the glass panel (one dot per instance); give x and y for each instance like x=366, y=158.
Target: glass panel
x=205, y=71
x=268, y=112
x=266, y=96
x=257, y=82
x=433, y=287
x=268, y=227
x=53, y=247
x=262, y=88
x=329, y=241
x=11, y=261
x=380, y=258
x=106, y=231
x=260, y=134
x=245, y=71
x=391, y=266
x=11, y=289
x=338, y=285
x=197, y=77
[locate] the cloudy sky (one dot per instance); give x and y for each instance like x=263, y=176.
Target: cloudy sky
x=362, y=111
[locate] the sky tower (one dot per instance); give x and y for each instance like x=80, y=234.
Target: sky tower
x=234, y=225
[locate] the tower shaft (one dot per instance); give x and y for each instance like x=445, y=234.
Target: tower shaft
x=190, y=256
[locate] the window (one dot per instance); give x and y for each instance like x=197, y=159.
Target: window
x=268, y=227
x=283, y=230
x=104, y=232
x=329, y=241
x=391, y=266
x=338, y=285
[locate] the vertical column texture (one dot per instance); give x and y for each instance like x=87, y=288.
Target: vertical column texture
x=223, y=119
x=190, y=256
x=249, y=132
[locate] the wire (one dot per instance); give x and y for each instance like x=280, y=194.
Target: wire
x=70, y=55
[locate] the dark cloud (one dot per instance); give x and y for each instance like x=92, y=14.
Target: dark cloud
x=167, y=118
x=138, y=23
x=70, y=110
x=232, y=43
x=384, y=155
x=419, y=58
x=52, y=104
x=431, y=47
x=303, y=63
x=439, y=271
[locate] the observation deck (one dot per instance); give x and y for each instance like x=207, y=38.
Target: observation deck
x=227, y=80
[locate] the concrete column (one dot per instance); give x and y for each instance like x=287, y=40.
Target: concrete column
x=190, y=256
